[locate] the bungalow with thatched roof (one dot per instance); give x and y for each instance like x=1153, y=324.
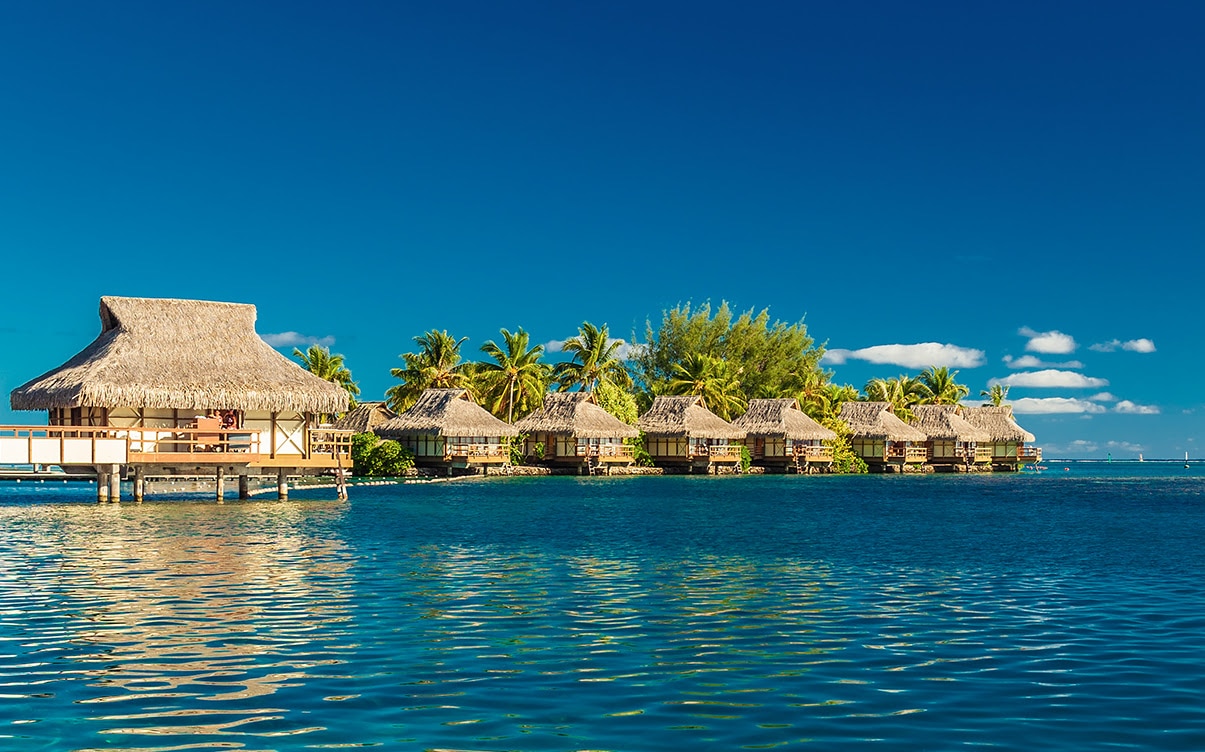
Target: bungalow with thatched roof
x=1007, y=439
x=782, y=437
x=446, y=428
x=681, y=433
x=365, y=418
x=571, y=430
x=881, y=439
x=180, y=384
x=954, y=444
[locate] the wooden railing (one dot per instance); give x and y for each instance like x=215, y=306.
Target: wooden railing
x=898, y=453
x=332, y=442
x=724, y=452
x=605, y=450
x=476, y=450
x=1030, y=454
x=814, y=453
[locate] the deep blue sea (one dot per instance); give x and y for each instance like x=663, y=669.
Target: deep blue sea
x=1062, y=610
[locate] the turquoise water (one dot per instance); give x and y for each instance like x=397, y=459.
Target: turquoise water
x=1060, y=610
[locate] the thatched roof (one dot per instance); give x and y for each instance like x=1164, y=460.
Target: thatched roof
x=366, y=417
x=781, y=417
x=575, y=414
x=944, y=422
x=181, y=354
x=998, y=422
x=874, y=420
x=686, y=416
x=445, y=412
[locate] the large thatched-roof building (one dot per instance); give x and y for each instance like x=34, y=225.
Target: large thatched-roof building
x=880, y=438
x=446, y=428
x=1007, y=439
x=953, y=443
x=681, y=433
x=780, y=436
x=184, y=383
x=571, y=430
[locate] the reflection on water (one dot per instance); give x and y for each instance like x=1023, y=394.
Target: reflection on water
x=656, y=614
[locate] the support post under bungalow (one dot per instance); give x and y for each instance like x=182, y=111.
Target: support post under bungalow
x=139, y=485
x=244, y=487
x=220, y=484
x=282, y=484
x=102, y=485
x=114, y=482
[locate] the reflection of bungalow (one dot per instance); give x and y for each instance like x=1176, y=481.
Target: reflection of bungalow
x=179, y=387
x=1007, y=439
x=880, y=438
x=365, y=418
x=574, y=431
x=954, y=444
x=680, y=432
x=446, y=428
x=780, y=436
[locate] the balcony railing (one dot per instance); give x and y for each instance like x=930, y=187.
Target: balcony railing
x=619, y=451
x=907, y=454
x=1029, y=454
x=476, y=451
x=814, y=453
x=724, y=452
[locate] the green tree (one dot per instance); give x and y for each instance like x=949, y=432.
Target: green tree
x=903, y=392
x=372, y=456
x=595, y=358
x=773, y=359
x=514, y=382
x=436, y=365
x=618, y=401
x=940, y=388
x=319, y=361
x=713, y=380
x=995, y=396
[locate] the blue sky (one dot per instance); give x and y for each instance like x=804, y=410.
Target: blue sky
x=1017, y=188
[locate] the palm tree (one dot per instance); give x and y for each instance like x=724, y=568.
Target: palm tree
x=516, y=378
x=713, y=380
x=435, y=366
x=995, y=396
x=901, y=392
x=940, y=388
x=319, y=361
x=594, y=359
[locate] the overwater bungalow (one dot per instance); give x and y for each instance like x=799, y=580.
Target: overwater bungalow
x=782, y=438
x=570, y=430
x=680, y=433
x=179, y=387
x=953, y=443
x=446, y=429
x=365, y=418
x=881, y=439
x=1007, y=439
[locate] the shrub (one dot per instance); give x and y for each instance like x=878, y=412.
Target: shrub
x=371, y=456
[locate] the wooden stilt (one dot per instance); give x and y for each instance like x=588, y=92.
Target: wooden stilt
x=244, y=487
x=220, y=484
x=102, y=486
x=282, y=485
x=115, y=483
x=139, y=485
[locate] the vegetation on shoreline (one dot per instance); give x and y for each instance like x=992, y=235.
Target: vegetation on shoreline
x=726, y=358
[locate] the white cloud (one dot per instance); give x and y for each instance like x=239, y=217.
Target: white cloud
x=1130, y=408
x=1033, y=361
x=1126, y=446
x=1142, y=345
x=1050, y=343
x=554, y=345
x=294, y=339
x=1051, y=378
x=625, y=351
x=1103, y=397
x=920, y=355
x=1055, y=405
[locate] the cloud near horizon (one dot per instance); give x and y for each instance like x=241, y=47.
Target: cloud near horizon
x=294, y=339
x=921, y=355
x=1053, y=342
x=1051, y=379
x=1056, y=406
x=1142, y=345
x=1130, y=408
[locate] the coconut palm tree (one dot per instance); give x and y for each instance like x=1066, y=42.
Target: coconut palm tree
x=713, y=380
x=436, y=365
x=515, y=380
x=901, y=392
x=595, y=358
x=319, y=361
x=940, y=388
x=995, y=396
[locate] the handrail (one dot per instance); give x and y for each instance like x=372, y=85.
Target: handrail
x=476, y=450
x=603, y=450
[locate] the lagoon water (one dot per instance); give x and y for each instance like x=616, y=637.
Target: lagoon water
x=1063, y=610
